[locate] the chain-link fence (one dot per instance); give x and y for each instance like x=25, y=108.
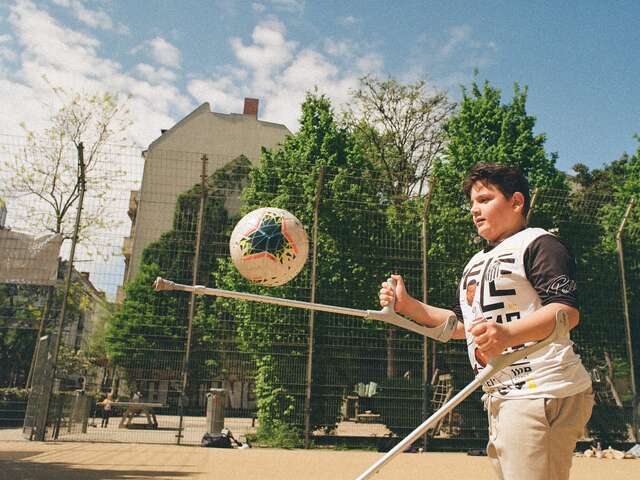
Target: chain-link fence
x=301, y=376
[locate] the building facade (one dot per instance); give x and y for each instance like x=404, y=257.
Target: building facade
x=172, y=165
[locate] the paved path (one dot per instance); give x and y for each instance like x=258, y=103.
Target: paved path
x=23, y=460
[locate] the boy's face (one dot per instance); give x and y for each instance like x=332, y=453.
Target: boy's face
x=495, y=216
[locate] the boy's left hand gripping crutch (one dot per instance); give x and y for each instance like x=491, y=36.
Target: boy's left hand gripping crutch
x=442, y=333
x=493, y=366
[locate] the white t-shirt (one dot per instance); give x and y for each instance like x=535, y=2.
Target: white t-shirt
x=509, y=281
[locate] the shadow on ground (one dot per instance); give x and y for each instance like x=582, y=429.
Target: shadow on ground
x=16, y=466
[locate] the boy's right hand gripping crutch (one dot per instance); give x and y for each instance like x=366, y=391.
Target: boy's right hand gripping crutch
x=494, y=366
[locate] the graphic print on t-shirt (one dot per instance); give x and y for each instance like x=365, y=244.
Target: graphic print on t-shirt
x=482, y=280
x=509, y=282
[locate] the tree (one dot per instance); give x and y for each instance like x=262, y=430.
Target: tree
x=19, y=315
x=146, y=337
x=46, y=168
x=401, y=129
x=483, y=129
x=603, y=196
x=356, y=225
x=21, y=308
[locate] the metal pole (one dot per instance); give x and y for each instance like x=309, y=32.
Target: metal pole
x=43, y=321
x=314, y=265
x=67, y=280
x=192, y=300
x=627, y=318
x=425, y=298
x=494, y=366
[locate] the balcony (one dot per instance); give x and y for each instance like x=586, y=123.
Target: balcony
x=127, y=247
x=134, y=198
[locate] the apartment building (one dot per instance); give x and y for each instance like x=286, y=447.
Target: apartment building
x=172, y=164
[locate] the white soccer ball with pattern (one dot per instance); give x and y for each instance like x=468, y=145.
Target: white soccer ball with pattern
x=269, y=246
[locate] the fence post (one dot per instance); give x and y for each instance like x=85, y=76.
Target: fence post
x=67, y=280
x=627, y=318
x=425, y=298
x=314, y=265
x=41, y=326
x=192, y=300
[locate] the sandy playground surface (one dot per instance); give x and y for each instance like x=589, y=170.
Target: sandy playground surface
x=22, y=460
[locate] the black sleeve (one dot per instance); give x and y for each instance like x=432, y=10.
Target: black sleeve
x=457, y=309
x=551, y=269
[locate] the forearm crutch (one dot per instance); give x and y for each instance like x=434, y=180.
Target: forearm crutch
x=442, y=333
x=494, y=366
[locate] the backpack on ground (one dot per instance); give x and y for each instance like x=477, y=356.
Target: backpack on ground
x=216, y=440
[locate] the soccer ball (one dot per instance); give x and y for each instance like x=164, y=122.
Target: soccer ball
x=269, y=246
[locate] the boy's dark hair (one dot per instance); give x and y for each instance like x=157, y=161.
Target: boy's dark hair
x=508, y=180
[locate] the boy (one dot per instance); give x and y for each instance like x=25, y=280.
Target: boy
x=508, y=298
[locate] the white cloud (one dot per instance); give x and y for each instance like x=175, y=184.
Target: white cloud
x=338, y=48
x=269, y=48
x=448, y=63
x=258, y=7
x=280, y=73
x=75, y=61
x=348, y=20
x=164, y=52
x=370, y=63
x=7, y=52
x=222, y=93
x=94, y=18
x=155, y=75
x=457, y=36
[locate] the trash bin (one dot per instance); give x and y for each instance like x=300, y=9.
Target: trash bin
x=215, y=410
x=81, y=407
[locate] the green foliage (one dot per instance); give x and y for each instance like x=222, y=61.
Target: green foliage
x=147, y=335
x=13, y=404
x=72, y=362
x=611, y=190
x=14, y=394
x=279, y=435
x=400, y=129
x=351, y=243
x=483, y=130
x=609, y=425
x=19, y=316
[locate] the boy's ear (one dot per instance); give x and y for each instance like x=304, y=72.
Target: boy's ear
x=517, y=200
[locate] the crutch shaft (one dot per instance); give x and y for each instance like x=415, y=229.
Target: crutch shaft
x=495, y=365
x=162, y=284
x=385, y=315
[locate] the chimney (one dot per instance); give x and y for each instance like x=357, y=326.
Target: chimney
x=251, y=106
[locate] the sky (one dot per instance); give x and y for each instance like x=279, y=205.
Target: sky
x=576, y=58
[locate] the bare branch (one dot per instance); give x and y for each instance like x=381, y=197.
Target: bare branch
x=402, y=126
x=46, y=168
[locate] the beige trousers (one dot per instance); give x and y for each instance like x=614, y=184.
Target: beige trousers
x=534, y=439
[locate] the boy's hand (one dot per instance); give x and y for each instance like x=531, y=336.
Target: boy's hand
x=491, y=338
x=387, y=294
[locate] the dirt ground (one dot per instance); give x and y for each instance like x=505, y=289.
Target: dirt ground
x=22, y=460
